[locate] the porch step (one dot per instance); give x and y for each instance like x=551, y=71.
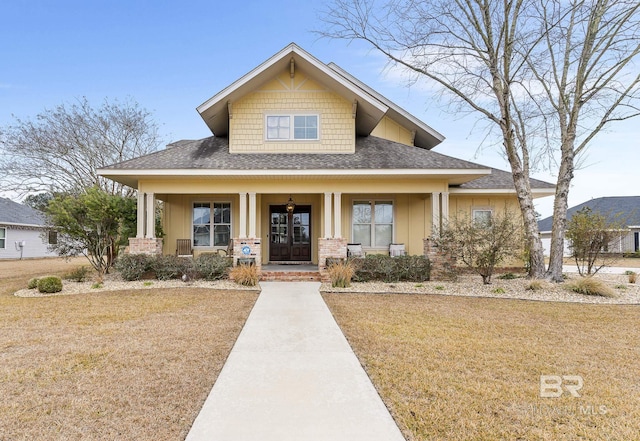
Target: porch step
x=290, y=276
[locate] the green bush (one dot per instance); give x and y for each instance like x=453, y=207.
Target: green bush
x=33, y=283
x=133, y=266
x=50, y=284
x=212, y=266
x=379, y=267
x=172, y=267
x=78, y=275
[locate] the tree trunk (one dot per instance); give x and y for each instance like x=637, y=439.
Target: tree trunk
x=525, y=200
x=532, y=233
x=560, y=206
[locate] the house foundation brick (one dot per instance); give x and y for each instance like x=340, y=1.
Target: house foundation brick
x=443, y=265
x=143, y=245
x=334, y=248
x=248, y=248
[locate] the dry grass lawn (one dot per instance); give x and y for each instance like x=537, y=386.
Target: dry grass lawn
x=458, y=368
x=121, y=365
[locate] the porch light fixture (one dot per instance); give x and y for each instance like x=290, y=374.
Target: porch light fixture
x=290, y=205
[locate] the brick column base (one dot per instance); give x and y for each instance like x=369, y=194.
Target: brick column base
x=144, y=245
x=248, y=248
x=336, y=248
x=443, y=265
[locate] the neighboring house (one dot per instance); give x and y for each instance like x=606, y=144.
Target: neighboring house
x=22, y=232
x=305, y=159
x=617, y=209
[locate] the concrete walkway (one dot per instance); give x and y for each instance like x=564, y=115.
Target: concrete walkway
x=292, y=376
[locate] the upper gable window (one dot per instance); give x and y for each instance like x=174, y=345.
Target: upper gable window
x=280, y=127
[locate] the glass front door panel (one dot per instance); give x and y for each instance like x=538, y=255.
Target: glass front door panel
x=290, y=234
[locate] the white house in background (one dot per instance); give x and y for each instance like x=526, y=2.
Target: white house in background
x=625, y=209
x=21, y=232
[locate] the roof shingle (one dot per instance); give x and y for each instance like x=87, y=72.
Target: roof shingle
x=615, y=208
x=15, y=213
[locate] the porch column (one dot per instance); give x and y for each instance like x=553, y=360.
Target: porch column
x=243, y=215
x=435, y=212
x=327, y=216
x=151, y=216
x=445, y=207
x=252, y=215
x=140, y=216
x=337, y=215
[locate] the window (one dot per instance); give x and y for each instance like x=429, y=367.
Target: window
x=52, y=237
x=3, y=238
x=482, y=216
x=205, y=232
x=373, y=223
x=278, y=127
x=221, y=224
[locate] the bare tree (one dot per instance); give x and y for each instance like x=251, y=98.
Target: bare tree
x=587, y=79
x=495, y=58
x=60, y=150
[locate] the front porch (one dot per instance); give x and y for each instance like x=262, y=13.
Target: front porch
x=284, y=228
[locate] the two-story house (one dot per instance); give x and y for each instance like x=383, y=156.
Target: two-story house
x=304, y=159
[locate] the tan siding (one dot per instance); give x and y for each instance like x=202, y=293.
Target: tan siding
x=177, y=220
x=391, y=130
x=465, y=204
x=284, y=95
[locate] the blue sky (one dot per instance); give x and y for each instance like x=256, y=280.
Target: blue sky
x=170, y=56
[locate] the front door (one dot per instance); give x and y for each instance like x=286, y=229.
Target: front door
x=290, y=239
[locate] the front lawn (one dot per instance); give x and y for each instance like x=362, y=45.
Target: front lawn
x=458, y=368
x=126, y=365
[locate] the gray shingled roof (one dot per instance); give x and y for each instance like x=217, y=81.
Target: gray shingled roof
x=500, y=179
x=15, y=213
x=615, y=208
x=371, y=153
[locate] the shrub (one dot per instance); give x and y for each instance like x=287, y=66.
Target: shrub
x=33, y=283
x=536, y=285
x=482, y=244
x=632, y=277
x=133, y=266
x=212, y=266
x=388, y=269
x=171, y=267
x=591, y=287
x=341, y=274
x=245, y=275
x=50, y=284
x=508, y=276
x=78, y=275
x=498, y=291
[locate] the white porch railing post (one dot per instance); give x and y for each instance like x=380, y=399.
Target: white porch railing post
x=140, y=216
x=252, y=215
x=337, y=215
x=151, y=216
x=243, y=215
x=327, y=216
x=445, y=208
x=435, y=212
